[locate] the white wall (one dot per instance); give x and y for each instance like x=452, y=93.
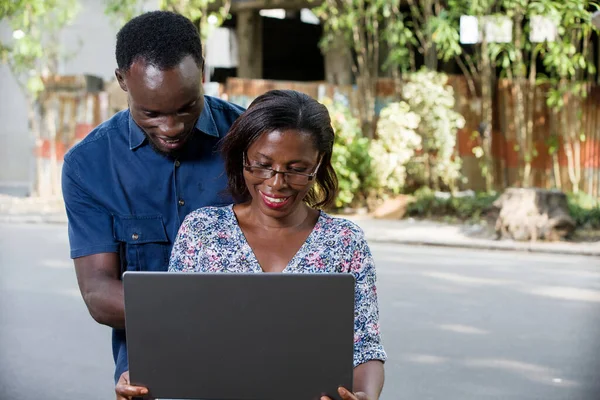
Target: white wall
x=15, y=143
x=90, y=41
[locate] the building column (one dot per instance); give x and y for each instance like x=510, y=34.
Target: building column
x=250, y=44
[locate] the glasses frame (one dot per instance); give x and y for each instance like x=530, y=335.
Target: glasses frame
x=285, y=174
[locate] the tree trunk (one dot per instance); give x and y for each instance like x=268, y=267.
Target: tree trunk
x=431, y=59
x=519, y=83
x=533, y=214
x=571, y=143
x=486, y=116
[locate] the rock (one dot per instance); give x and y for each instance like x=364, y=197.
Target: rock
x=533, y=214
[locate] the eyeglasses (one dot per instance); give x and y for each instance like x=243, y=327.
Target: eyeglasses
x=292, y=178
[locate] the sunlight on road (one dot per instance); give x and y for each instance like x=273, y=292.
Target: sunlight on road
x=469, y=330
x=533, y=372
x=566, y=293
x=467, y=280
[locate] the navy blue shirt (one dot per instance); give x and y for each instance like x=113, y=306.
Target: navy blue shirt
x=122, y=196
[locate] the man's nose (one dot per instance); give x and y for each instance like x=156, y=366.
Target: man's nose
x=171, y=126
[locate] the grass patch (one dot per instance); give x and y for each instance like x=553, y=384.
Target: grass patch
x=466, y=208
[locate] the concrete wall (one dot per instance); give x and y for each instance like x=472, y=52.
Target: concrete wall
x=15, y=142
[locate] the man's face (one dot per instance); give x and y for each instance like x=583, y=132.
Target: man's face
x=164, y=104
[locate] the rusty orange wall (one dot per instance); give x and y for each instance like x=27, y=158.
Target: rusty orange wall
x=506, y=161
x=505, y=157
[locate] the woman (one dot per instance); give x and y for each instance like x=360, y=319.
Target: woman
x=278, y=162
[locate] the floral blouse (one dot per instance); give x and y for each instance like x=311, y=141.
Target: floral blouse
x=210, y=240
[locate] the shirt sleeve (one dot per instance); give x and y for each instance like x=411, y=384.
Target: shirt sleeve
x=90, y=224
x=367, y=339
x=187, y=246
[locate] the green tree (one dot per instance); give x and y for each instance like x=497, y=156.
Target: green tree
x=360, y=24
x=423, y=15
x=475, y=65
x=571, y=69
x=517, y=60
x=567, y=61
x=207, y=14
x=351, y=158
x=121, y=11
x=33, y=54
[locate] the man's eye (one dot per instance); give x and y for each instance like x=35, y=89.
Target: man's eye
x=150, y=114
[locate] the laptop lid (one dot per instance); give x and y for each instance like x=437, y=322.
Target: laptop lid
x=240, y=336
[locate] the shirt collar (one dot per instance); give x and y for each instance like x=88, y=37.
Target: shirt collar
x=205, y=124
x=136, y=135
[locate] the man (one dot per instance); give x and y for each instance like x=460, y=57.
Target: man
x=130, y=183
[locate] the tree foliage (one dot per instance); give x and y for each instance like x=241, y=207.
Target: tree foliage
x=34, y=49
x=207, y=14
x=360, y=24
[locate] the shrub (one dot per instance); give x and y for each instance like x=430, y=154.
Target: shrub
x=428, y=204
x=395, y=145
x=584, y=209
x=432, y=99
x=351, y=159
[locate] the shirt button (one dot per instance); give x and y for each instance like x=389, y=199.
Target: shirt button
x=177, y=163
x=135, y=236
x=181, y=203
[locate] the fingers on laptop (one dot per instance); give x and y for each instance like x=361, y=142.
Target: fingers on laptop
x=125, y=391
x=347, y=395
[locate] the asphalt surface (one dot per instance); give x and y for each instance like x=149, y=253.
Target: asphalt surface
x=457, y=323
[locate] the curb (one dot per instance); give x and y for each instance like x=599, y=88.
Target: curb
x=33, y=219
x=491, y=245
x=473, y=244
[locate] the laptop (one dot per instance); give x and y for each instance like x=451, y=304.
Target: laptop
x=249, y=336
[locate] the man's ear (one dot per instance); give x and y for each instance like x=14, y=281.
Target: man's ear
x=121, y=79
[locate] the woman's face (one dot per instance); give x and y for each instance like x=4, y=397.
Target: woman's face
x=285, y=151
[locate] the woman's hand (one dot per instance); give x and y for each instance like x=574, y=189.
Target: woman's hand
x=348, y=395
x=125, y=391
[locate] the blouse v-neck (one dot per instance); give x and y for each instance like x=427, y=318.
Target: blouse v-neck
x=251, y=255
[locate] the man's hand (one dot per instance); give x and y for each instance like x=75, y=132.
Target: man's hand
x=348, y=395
x=124, y=389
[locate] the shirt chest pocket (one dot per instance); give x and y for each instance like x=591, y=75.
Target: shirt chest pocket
x=145, y=244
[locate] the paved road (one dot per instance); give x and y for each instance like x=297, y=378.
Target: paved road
x=457, y=324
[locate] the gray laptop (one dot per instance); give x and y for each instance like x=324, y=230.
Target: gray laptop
x=240, y=336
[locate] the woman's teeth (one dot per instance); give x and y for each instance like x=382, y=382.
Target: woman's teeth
x=276, y=200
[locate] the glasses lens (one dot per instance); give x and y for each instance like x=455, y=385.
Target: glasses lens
x=261, y=172
x=296, y=179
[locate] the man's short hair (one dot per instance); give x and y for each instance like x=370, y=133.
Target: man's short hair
x=160, y=38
